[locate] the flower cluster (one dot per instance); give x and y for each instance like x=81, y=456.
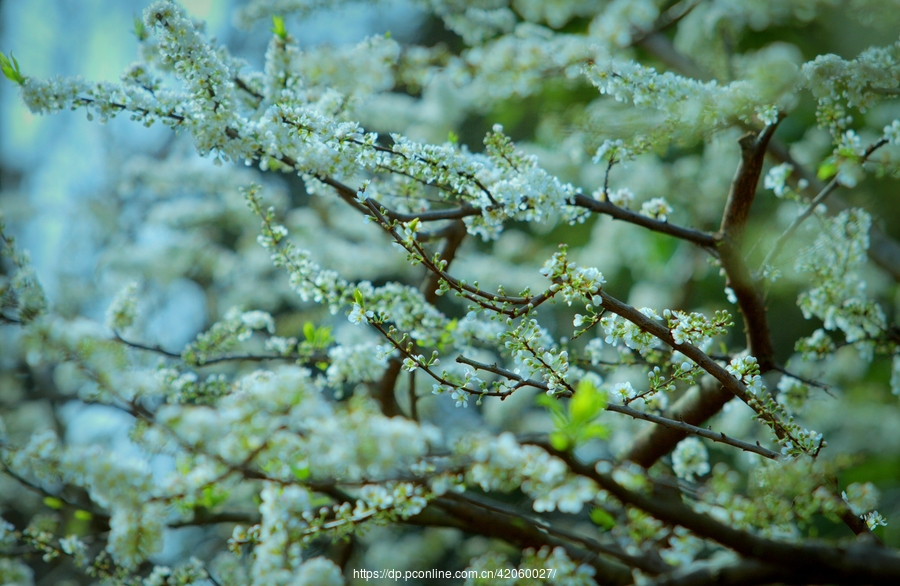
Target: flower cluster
x=685, y=102
x=22, y=292
x=656, y=208
x=690, y=459
x=623, y=391
x=503, y=464
x=838, y=296
x=572, y=281
x=800, y=481
x=839, y=84
x=776, y=177
x=695, y=328
x=535, y=353
x=123, y=310
x=617, y=328
x=545, y=561
x=746, y=370
x=237, y=327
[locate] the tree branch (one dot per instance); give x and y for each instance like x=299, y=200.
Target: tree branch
x=743, y=572
x=883, y=250
x=646, y=563
x=680, y=427
x=385, y=389
x=474, y=294
x=485, y=522
x=687, y=429
x=697, y=237
x=219, y=359
x=731, y=238
x=859, y=563
x=696, y=406
x=729, y=383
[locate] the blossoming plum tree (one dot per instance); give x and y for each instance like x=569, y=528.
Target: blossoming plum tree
x=430, y=329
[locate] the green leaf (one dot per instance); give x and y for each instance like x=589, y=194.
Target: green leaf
x=212, y=496
x=278, y=27
x=300, y=473
x=140, y=31
x=552, y=405
x=560, y=440
x=446, y=337
x=322, y=337
x=309, y=332
x=587, y=402
x=594, y=430
x=53, y=502
x=828, y=169
x=453, y=137
x=10, y=68
x=602, y=519
x=83, y=515
x=358, y=298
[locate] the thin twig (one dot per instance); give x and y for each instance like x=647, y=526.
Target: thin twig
x=227, y=358
x=700, y=238
x=694, y=430
x=625, y=410
x=155, y=348
x=440, y=379
x=816, y=201
x=485, y=300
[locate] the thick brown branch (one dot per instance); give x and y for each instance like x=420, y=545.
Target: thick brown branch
x=647, y=563
x=384, y=391
x=731, y=238
x=883, y=250
x=662, y=333
x=523, y=535
x=743, y=186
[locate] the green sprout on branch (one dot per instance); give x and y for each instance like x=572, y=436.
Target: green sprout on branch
x=10, y=68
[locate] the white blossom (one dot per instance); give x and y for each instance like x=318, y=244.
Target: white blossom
x=656, y=208
x=690, y=459
x=123, y=310
x=776, y=177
